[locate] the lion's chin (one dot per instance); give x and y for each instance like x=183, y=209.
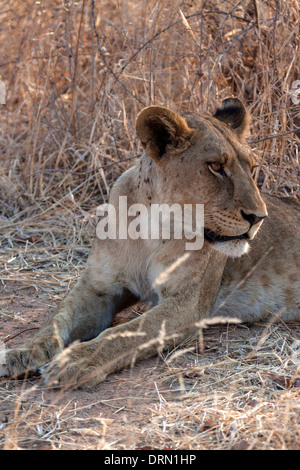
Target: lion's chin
x=232, y=248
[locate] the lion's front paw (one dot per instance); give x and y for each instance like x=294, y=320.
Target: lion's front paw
x=72, y=369
x=21, y=361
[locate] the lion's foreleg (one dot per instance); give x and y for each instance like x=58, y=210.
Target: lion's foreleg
x=87, y=364
x=82, y=315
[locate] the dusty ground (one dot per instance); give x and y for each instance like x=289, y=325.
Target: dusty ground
x=237, y=393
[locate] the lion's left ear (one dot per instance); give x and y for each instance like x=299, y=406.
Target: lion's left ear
x=235, y=115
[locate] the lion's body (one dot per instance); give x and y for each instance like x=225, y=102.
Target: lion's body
x=196, y=160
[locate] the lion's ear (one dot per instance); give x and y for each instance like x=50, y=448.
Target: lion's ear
x=235, y=115
x=161, y=129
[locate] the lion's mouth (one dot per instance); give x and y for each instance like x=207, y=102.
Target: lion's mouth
x=211, y=236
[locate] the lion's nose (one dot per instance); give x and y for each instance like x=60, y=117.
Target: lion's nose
x=252, y=218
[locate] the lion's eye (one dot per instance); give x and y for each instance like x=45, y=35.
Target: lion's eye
x=217, y=168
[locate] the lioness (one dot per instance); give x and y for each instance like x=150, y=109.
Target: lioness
x=238, y=273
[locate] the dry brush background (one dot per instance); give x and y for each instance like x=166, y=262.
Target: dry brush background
x=76, y=75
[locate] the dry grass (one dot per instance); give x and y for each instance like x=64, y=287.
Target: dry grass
x=77, y=73
x=240, y=392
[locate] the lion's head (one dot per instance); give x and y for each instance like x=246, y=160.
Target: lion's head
x=204, y=159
